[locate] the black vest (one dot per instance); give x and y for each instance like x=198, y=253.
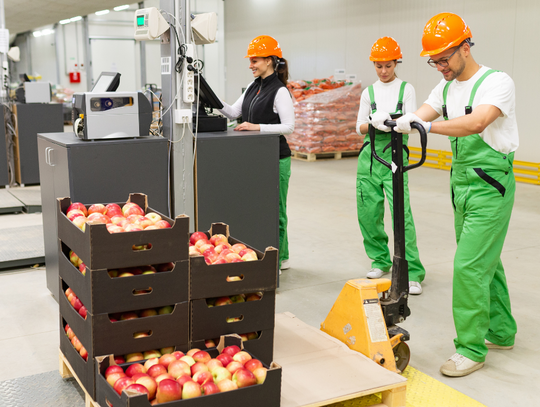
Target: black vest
x=258, y=106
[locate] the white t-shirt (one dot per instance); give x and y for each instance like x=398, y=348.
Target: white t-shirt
x=283, y=106
x=498, y=90
x=386, y=98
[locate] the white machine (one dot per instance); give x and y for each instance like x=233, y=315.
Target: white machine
x=149, y=24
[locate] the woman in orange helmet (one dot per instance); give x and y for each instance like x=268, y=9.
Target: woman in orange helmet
x=388, y=94
x=267, y=106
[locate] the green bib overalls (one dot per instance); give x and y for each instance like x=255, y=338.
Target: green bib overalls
x=482, y=187
x=373, y=180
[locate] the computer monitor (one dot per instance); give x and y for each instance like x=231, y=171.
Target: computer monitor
x=24, y=77
x=207, y=97
x=107, y=82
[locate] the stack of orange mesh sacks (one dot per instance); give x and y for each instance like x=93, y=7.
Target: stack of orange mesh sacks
x=326, y=122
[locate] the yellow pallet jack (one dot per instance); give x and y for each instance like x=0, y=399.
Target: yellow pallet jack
x=360, y=318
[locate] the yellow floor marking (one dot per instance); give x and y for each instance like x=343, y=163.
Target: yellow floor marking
x=422, y=391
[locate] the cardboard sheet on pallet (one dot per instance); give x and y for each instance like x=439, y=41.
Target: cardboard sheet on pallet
x=319, y=368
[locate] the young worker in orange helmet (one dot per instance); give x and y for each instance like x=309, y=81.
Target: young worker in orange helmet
x=267, y=106
x=374, y=180
x=478, y=107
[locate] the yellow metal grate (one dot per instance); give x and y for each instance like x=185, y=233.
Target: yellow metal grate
x=524, y=171
x=422, y=391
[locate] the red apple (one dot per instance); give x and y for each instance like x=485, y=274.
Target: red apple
x=148, y=270
x=193, y=251
x=210, y=254
x=113, y=377
x=114, y=228
x=119, y=360
x=220, y=261
x=178, y=354
x=260, y=374
x=97, y=217
x=253, y=364
x=218, y=239
x=183, y=379
x=77, y=304
x=192, y=351
x=188, y=359
x=166, y=360
x=162, y=224
x=128, y=315
x=113, y=369
x=210, y=343
x=221, y=373
x=225, y=359
x=223, y=301
x=226, y=385
x=201, y=356
x=74, y=259
x=238, y=247
x=191, y=390
x=134, y=357
x=203, y=377
x=113, y=207
x=179, y=368
x=253, y=297
x=134, y=369
x=80, y=222
x=251, y=256
x=151, y=362
x=149, y=383
x=244, y=378
x=232, y=256
x=234, y=366
x=165, y=267
x=82, y=269
x=202, y=242
x=122, y=383
x=137, y=376
x=132, y=208
x=231, y=350
x=144, y=222
x=97, y=208
x=213, y=363
x=156, y=370
x=134, y=218
x=209, y=388
x=220, y=247
x=168, y=390
x=150, y=354
x=154, y=217
x=117, y=220
x=163, y=377
x=197, y=236
x=138, y=388
x=242, y=357
x=72, y=214
x=198, y=367
x=82, y=312
x=79, y=206
x=150, y=312
x=84, y=353
x=133, y=228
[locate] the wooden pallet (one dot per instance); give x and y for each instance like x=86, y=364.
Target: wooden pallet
x=66, y=372
x=335, y=155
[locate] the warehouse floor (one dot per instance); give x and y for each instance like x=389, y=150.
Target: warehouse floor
x=326, y=251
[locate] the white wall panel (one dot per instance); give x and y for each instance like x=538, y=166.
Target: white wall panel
x=318, y=36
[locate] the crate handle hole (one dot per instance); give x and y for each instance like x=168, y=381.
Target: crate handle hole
x=231, y=320
x=143, y=291
x=232, y=279
x=142, y=334
x=109, y=404
x=141, y=247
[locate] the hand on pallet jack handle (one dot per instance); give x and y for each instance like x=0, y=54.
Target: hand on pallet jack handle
x=423, y=140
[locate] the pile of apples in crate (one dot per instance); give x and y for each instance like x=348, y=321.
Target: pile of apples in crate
x=128, y=218
x=76, y=342
x=176, y=376
x=218, y=250
x=76, y=303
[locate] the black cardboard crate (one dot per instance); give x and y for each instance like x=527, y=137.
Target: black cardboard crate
x=85, y=370
x=267, y=394
x=209, y=281
x=103, y=337
x=101, y=249
x=263, y=346
x=103, y=294
x=211, y=322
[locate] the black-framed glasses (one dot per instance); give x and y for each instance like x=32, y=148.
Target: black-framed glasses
x=442, y=62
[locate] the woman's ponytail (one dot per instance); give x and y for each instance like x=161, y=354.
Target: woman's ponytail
x=281, y=67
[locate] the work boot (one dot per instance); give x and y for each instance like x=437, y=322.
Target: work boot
x=415, y=288
x=458, y=366
x=375, y=273
x=285, y=264
x=491, y=345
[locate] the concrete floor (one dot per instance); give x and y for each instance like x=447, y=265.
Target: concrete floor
x=326, y=251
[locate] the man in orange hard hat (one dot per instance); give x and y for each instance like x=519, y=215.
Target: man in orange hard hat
x=478, y=107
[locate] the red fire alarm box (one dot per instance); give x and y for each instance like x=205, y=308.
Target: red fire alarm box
x=75, y=77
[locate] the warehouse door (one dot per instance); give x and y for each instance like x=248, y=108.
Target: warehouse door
x=112, y=55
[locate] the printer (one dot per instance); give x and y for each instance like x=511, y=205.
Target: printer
x=104, y=113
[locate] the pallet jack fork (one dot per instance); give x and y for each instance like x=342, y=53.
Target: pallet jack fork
x=360, y=318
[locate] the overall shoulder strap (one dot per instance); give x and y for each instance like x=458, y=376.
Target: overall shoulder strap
x=444, y=94
x=468, y=108
x=372, y=99
x=399, y=106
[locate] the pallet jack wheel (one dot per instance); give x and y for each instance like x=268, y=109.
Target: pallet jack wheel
x=402, y=354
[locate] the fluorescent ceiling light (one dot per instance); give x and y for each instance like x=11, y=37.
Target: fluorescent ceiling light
x=102, y=12
x=119, y=8
x=37, y=33
x=65, y=21
x=73, y=19
x=47, y=32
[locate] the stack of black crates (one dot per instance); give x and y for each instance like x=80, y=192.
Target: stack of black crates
x=186, y=287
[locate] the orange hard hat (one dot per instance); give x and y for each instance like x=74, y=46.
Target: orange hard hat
x=445, y=30
x=263, y=46
x=385, y=49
